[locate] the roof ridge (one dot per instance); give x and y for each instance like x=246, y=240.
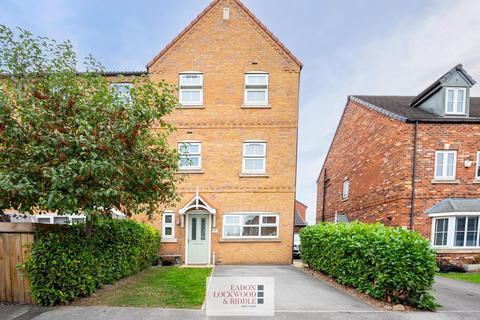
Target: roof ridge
x=204, y=12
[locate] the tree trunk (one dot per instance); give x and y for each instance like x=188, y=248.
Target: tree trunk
x=89, y=227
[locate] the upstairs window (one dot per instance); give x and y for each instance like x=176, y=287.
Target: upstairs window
x=254, y=157
x=122, y=91
x=445, y=165
x=455, y=100
x=256, y=89
x=190, y=155
x=191, y=89
x=346, y=189
x=168, y=225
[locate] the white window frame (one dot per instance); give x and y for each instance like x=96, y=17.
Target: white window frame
x=188, y=87
x=241, y=224
x=168, y=225
x=452, y=218
x=254, y=88
x=186, y=156
x=455, y=100
x=345, y=189
x=263, y=157
x=477, y=167
x=443, y=174
x=123, y=96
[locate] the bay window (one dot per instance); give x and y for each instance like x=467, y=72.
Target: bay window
x=459, y=231
x=250, y=225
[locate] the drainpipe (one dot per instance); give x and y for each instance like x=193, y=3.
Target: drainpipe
x=414, y=175
x=325, y=182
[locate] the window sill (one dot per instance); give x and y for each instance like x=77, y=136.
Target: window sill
x=476, y=181
x=196, y=171
x=249, y=240
x=436, y=181
x=473, y=250
x=191, y=107
x=344, y=199
x=253, y=106
x=168, y=240
x=254, y=175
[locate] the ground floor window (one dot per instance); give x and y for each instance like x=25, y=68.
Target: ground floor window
x=456, y=231
x=250, y=225
x=168, y=225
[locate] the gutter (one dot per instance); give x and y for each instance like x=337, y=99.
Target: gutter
x=414, y=175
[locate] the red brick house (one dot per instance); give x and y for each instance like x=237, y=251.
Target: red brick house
x=410, y=161
x=300, y=216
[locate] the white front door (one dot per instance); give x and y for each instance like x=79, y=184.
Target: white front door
x=198, y=238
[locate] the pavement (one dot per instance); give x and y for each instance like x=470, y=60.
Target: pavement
x=297, y=296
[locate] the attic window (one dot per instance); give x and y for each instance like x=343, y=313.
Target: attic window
x=226, y=13
x=455, y=100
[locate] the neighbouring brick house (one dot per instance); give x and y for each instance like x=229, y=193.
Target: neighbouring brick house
x=300, y=216
x=410, y=161
x=237, y=136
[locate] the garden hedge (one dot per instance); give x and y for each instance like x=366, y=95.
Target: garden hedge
x=66, y=264
x=387, y=263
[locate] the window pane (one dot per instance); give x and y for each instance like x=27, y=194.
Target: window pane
x=254, y=164
x=439, y=167
x=168, y=218
x=203, y=228
x=191, y=80
x=472, y=231
x=478, y=165
x=257, y=96
x=250, y=231
x=450, y=101
x=251, y=220
x=460, y=232
x=441, y=232
x=231, y=231
x=232, y=219
x=189, y=161
x=460, y=97
x=269, y=219
x=168, y=231
x=269, y=231
x=190, y=96
x=194, y=228
x=256, y=79
x=254, y=149
x=450, y=164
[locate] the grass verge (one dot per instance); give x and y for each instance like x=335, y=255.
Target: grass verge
x=162, y=287
x=468, y=277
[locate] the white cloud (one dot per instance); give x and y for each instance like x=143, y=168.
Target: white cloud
x=403, y=62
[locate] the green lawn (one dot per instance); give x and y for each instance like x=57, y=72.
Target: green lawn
x=469, y=277
x=168, y=287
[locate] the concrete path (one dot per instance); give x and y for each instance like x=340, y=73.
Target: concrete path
x=456, y=295
x=297, y=291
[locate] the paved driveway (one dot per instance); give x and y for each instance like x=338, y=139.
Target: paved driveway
x=297, y=291
x=456, y=295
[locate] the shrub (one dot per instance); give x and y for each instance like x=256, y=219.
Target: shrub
x=387, y=263
x=66, y=264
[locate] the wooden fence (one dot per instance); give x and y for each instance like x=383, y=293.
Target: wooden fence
x=15, y=248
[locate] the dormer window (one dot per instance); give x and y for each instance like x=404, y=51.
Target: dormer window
x=455, y=100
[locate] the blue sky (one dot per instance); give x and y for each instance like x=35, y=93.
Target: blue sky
x=346, y=46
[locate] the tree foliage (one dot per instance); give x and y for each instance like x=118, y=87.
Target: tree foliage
x=71, y=144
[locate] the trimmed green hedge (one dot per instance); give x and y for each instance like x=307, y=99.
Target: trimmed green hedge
x=66, y=264
x=387, y=263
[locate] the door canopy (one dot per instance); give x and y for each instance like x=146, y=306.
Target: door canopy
x=197, y=203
